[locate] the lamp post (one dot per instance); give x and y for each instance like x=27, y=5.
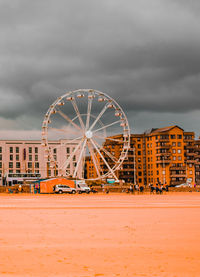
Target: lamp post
x=134, y=166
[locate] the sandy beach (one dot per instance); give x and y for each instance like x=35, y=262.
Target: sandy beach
x=100, y=235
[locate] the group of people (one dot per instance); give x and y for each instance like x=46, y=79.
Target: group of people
x=159, y=188
x=134, y=188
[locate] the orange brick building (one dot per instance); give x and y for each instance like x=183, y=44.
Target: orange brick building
x=170, y=156
x=165, y=155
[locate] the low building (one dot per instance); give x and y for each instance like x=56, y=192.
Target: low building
x=28, y=156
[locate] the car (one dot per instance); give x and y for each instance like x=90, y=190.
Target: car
x=63, y=189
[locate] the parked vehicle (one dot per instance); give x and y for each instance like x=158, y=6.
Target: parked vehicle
x=81, y=187
x=63, y=189
x=182, y=185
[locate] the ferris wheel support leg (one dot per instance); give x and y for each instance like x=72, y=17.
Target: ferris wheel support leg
x=110, y=169
x=66, y=163
x=80, y=157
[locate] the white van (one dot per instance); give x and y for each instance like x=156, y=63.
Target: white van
x=82, y=187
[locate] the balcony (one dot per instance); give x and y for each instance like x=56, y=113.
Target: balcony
x=163, y=161
x=177, y=168
x=162, y=140
x=164, y=154
x=176, y=175
x=190, y=154
x=167, y=146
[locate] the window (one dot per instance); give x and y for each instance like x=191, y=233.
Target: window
x=179, y=158
x=0, y=149
x=29, y=165
x=11, y=149
x=174, y=151
x=190, y=172
x=173, y=136
x=174, y=158
x=37, y=165
x=10, y=164
x=179, y=136
x=139, y=153
x=0, y=164
x=30, y=150
x=55, y=157
x=17, y=149
x=179, y=151
x=11, y=157
x=0, y=157
x=179, y=144
x=17, y=157
x=190, y=165
x=30, y=157
x=67, y=150
x=17, y=164
x=36, y=157
x=36, y=150
x=54, y=150
x=139, y=146
x=173, y=143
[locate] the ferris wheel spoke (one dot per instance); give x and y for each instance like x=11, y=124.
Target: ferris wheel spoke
x=68, y=119
x=109, y=138
x=99, y=116
x=78, y=113
x=55, y=129
x=109, y=168
x=95, y=161
x=106, y=126
x=106, y=152
x=67, y=162
x=88, y=112
x=73, y=140
x=80, y=157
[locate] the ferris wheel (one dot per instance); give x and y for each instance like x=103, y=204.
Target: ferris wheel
x=88, y=123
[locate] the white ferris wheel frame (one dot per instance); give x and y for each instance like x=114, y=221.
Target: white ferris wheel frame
x=86, y=139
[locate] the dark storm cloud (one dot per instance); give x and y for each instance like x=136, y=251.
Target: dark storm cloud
x=145, y=54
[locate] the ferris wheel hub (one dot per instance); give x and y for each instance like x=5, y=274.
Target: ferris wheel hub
x=89, y=134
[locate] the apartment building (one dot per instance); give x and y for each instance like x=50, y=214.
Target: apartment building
x=163, y=155
x=197, y=161
x=22, y=156
x=170, y=156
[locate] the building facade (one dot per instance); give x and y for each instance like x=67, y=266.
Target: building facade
x=20, y=156
x=163, y=155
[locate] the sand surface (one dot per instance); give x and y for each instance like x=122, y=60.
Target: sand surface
x=100, y=235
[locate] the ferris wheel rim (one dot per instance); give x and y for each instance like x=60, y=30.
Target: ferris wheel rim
x=124, y=141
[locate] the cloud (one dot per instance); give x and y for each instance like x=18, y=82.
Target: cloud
x=145, y=54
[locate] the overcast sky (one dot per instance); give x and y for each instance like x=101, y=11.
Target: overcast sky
x=145, y=54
